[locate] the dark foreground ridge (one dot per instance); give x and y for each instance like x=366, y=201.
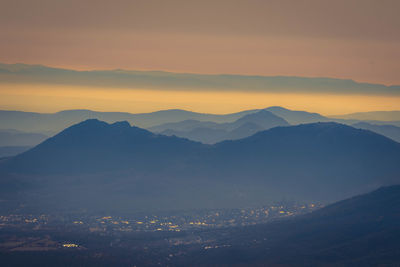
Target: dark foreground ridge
x=360, y=231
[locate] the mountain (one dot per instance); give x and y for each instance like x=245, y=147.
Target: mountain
x=297, y=117
x=50, y=123
x=360, y=231
x=10, y=151
x=211, y=132
x=137, y=169
x=17, y=138
x=263, y=118
x=95, y=146
x=200, y=134
x=390, y=131
x=158, y=121
x=372, y=115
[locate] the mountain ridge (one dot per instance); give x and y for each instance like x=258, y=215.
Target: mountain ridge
x=309, y=162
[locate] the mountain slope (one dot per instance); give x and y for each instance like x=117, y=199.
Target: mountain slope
x=138, y=169
x=297, y=117
x=360, y=231
x=319, y=156
x=389, y=131
x=211, y=132
x=372, y=115
x=96, y=146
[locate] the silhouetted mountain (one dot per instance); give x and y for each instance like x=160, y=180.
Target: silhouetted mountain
x=244, y=130
x=96, y=146
x=390, y=131
x=211, y=132
x=200, y=134
x=50, y=123
x=185, y=126
x=372, y=115
x=360, y=231
x=18, y=138
x=263, y=118
x=138, y=169
x=297, y=117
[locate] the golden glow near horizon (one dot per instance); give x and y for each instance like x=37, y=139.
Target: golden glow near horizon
x=53, y=98
x=338, y=39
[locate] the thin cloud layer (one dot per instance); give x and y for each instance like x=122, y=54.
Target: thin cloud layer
x=356, y=39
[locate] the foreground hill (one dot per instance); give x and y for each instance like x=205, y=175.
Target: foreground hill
x=360, y=231
x=136, y=169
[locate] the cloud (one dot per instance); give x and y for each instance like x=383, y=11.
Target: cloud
x=37, y=74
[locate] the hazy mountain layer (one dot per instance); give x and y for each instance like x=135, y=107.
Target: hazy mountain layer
x=18, y=138
x=210, y=132
x=50, y=123
x=137, y=169
x=372, y=115
x=390, y=131
x=23, y=73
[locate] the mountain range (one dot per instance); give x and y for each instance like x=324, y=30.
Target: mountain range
x=206, y=128
x=211, y=132
x=137, y=169
x=390, y=131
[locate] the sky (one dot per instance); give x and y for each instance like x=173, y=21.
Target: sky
x=351, y=39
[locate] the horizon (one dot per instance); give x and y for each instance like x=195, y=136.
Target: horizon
x=202, y=93
x=193, y=111
x=196, y=73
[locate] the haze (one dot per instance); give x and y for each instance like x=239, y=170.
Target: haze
x=356, y=40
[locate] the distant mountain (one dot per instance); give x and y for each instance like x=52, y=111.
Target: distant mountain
x=51, y=123
x=211, y=132
x=297, y=117
x=390, y=131
x=360, y=231
x=244, y=130
x=10, y=151
x=263, y=118
x=372, y=115
x=200, y=134
x=137, y=169
x=17, y=138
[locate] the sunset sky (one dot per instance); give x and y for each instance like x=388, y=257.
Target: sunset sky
x=349, y=39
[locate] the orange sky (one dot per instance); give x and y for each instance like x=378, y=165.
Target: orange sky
x=357, y=39
x=43, y=98
x=352, y=39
